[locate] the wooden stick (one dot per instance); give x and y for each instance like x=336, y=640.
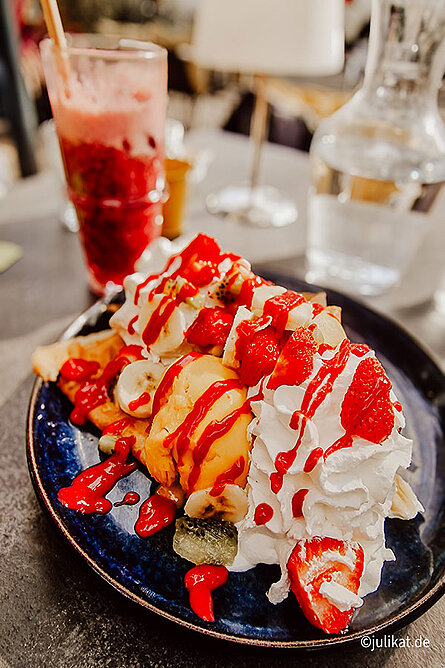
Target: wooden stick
x=53, y=22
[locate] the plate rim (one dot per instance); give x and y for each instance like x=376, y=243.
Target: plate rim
x=400, y=620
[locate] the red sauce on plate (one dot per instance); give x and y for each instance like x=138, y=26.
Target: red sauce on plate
x=200, y=582
x=130, y=499
x=87, y=491
x=155, y=513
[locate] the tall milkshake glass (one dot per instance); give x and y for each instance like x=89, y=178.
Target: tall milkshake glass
x=109, y=100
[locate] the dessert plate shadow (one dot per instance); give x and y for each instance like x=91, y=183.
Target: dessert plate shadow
x=149, y=572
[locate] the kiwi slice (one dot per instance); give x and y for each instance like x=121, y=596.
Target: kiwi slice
x=206, y=541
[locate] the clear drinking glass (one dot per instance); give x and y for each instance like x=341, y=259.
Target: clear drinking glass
x=109, y=100
x=377, y=204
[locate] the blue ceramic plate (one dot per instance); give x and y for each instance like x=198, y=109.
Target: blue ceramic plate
x=149, y=572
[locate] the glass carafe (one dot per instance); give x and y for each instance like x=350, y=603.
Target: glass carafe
x=377, y=203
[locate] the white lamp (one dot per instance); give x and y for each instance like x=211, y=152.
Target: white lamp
x=266, y=37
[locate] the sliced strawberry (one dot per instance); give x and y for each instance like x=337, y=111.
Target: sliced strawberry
x=296, y=360
x=211, y=328
x=367, y=410
x=319, y=560
x=260, y=354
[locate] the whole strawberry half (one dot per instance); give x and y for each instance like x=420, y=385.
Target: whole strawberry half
x=319, y=560
x=367, y=410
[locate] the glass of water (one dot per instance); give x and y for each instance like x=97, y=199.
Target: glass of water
x=377, y=202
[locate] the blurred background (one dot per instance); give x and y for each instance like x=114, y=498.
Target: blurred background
x=199, y=98
x=276, y=75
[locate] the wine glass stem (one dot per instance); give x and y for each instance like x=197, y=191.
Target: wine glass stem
x=258, y=127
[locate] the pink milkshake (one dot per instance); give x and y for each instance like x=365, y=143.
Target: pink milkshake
x=109, y=106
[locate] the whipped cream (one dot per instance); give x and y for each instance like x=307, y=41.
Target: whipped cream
x=130, y=320
x=349, y=494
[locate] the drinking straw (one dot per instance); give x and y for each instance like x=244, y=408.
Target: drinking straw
x=54, y=25
x=53, y=22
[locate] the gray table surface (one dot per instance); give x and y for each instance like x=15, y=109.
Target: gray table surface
x=53, y=610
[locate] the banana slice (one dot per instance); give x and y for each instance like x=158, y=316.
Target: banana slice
x=138, y=379
x=334, y=311
x=231, y=283
x=229, y=359
x=316, y=298
x=300, y=316
x=262, y=294
x=405, y=504
x=172, y=333
x=328, y=329
x=231, y=505
x=173, y=287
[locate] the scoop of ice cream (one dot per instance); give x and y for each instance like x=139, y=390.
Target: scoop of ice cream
x=199, y=426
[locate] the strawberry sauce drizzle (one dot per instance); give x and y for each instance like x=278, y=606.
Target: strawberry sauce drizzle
x=297, y=503
x=313, y=459
x=263, y=514
x=228, y=477
x=200, y=581
x=168, y=379
x=276, y=482
x=117, y=427
x=94, y=393
x=143, y=400
x=213, y=431
x=132, y=352
x=248, y=287
x=163, y=312
x=144, y=283
x=198, y=263
x=316, y=309
x=130, y=327
x=279, y=307
x=183, y=434
x=87, y=491
x=317, y=391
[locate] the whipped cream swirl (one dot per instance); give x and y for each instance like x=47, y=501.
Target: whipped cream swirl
x=349, y=494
